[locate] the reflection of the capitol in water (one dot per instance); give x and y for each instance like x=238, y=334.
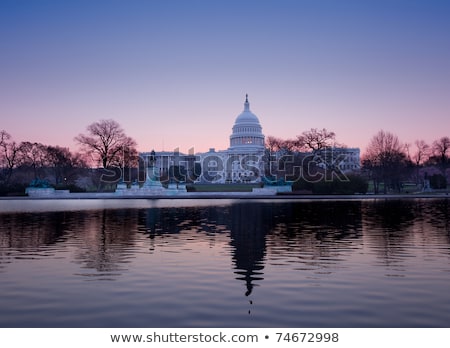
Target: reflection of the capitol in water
x=173, y=265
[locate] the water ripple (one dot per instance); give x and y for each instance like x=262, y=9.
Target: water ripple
x=249, y=264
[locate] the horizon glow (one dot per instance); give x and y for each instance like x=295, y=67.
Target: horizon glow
x=174, y=74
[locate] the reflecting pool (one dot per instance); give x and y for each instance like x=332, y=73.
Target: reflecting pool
x=225, y=263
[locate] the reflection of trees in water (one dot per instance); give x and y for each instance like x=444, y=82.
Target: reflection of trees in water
x=162, y=223
x=23, y=235
x=387, y=224
x=247, y=225
x=392, y=226
x=100, y=239
x=157, y=221
x=390, y=215
x=434, y=223
x=107, y=240
x=316, y=232
x=31, y=231
x=28, y=235
x=439, y=215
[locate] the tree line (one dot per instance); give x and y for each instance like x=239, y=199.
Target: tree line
x=311, y=162
x=388, y=164
x=24, y=162
x=104, y=145
x=306, y=160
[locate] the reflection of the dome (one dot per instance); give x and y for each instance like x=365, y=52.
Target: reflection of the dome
x=248, y=226
x=317, y=234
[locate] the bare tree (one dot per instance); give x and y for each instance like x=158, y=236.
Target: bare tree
x=282, y=146
x=32, y=155
x=441, y=154
x=422, y=152
x=420, y=156
x=273, y=144
x=8, y=155
x=385, y=160
x=63, y=164
x=290, y=146
x=302, y=152
x=107, y=141
x=316, y=139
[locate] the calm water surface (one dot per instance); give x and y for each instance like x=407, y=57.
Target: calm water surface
x=225, y=263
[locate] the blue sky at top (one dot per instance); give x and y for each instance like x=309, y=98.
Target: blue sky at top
x=175, y=73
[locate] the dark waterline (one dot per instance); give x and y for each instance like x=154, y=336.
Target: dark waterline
x=227, y=263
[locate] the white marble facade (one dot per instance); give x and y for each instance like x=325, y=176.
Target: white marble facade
x=242, y=162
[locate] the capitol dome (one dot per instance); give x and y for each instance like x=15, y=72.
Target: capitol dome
x=247, y=132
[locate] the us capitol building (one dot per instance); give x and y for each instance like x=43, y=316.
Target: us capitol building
x=242, y=162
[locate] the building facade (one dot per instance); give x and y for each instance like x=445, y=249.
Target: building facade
x=245, y=159
x=242, y=162
x=345, y=159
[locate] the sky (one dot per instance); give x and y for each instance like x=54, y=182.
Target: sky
x=174, y=73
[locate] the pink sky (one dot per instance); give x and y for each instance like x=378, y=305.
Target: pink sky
x=175, y=75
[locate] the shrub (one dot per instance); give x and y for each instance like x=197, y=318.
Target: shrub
x=438, y=181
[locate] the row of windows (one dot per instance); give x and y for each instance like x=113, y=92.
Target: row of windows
x=247, y=130
x=247, y=141
x=236, y=164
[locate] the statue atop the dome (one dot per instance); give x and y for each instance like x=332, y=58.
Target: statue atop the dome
x=246, y=104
